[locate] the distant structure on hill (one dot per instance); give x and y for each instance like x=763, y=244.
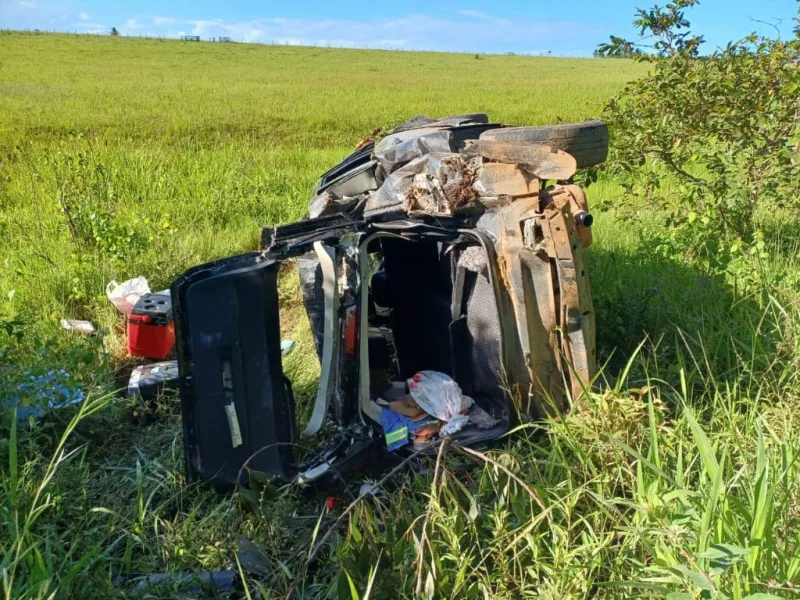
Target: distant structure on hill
x=196, y=38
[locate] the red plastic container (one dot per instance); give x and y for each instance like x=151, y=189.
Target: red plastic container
x=151, y=329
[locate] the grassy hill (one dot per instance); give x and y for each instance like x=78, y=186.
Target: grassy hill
x=122, y=157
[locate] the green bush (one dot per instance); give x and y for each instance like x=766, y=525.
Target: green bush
x=711, y=140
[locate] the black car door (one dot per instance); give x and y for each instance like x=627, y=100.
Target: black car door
x=237, y=404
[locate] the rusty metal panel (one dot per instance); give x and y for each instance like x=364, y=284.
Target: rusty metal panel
x=501, y=179
x=541, y=161
x=540, y=256
x=544, y=360
x=576, y=311
x=529, y=281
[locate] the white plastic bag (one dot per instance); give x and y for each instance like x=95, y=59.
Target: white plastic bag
x=438, y=395
x=126, y=294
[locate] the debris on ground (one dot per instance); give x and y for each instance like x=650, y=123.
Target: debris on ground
x=150, y=381
x=86, y=327
x=434, y=405
x=252, y=558
x=41, y=393
x=125, y=295
x=287, y=347
x=370, y=489
x=440, y=396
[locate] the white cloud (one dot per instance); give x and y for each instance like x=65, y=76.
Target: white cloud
x=159, y=21
x=84, y=27
x=465, y=31
x=481, y=16
x=459, y=30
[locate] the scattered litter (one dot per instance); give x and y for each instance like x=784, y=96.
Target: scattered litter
x=369, y=489
x=148, y=381
x=408, y=408
x=125, y=295
x=397, y=428
x=439, y=395
x=287, y=347
x=434, y=406
x=481, y=419
x=151, y=330
x=86, y=327
x=40, y=393
x=331, y=502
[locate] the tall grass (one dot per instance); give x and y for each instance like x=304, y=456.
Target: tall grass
x=33, y=565
x=649, y=490
x=676, y=478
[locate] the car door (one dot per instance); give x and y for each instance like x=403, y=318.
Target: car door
x=237, y=405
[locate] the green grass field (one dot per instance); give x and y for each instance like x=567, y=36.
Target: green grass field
x=124, y=157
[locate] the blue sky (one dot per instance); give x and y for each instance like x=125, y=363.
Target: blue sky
x=563, y=27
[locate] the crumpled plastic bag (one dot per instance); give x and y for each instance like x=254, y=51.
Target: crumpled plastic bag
x=438, y=395
x=126, y=294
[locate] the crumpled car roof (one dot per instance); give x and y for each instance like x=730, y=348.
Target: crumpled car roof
x=435, y=166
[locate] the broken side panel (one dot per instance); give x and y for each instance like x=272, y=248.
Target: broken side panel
x=534, y=298
x=545, y=281
x=237, y=404
x=576, y=318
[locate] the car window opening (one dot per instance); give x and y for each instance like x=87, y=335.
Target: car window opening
x=431, y=307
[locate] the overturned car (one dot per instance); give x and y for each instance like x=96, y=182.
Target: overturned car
x=448, y=251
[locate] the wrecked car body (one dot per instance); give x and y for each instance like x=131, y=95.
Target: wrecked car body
x=446, y=247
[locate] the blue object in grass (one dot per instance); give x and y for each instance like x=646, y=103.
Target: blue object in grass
x=40, y=393
x=397, y=428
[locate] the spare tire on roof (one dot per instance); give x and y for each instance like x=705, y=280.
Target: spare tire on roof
x=587, y=142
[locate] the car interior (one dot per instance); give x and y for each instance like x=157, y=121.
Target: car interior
x=431, y=308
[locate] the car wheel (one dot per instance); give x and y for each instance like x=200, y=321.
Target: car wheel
x=587, y=142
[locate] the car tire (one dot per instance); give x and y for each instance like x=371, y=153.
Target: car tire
x=587, y=142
